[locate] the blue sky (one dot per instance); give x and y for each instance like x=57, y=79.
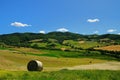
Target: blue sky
x=78, y=16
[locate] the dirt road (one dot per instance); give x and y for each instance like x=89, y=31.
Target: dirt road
x=99, y=66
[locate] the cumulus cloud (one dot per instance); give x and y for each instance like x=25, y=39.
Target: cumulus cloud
x=118, y=33
x=19, y=24
x=93, y=20
x=111, y=30
x=62, y=30
x=43, y=32
x=96, y=32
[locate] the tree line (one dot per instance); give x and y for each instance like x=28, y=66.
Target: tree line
x=22, y=39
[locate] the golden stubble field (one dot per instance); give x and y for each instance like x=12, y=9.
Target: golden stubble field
x=110, y=48
x=15, y=60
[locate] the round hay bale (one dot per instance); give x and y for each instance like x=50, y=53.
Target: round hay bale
x=35, y=65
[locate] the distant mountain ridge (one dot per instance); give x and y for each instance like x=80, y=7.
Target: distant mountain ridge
x=18, y=38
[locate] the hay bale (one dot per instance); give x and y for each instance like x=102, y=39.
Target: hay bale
x=35, y=65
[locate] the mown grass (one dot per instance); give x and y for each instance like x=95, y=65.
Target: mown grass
x=61, y=75
x=59, y=53
x=16, y=61
x=110, y=48
x=73, y=54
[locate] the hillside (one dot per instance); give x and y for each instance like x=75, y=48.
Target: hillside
x=68, y=53
x=22, y=39
x=81, y=45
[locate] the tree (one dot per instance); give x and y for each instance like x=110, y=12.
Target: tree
x=35, y=46
x=51, y=45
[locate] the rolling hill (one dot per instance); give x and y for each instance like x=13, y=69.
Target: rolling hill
x=62, y=54
x=23, y=39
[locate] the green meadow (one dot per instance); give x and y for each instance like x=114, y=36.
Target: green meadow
x=61, y=75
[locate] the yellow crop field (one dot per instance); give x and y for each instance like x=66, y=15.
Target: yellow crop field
x=110, y=48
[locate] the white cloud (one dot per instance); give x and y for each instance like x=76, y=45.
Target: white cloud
x=43, y=32
x=19, y=24
x=62, y=30
x=93, y=20
x=118, y=33
x=111, y=30
x=76, y=32
x=96, y=32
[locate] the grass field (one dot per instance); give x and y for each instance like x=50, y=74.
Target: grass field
x=13, y=62
x=61, y=75
x=62, y=54
x=16, y=60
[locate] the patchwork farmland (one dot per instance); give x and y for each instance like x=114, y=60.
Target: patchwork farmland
x=82, y=56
